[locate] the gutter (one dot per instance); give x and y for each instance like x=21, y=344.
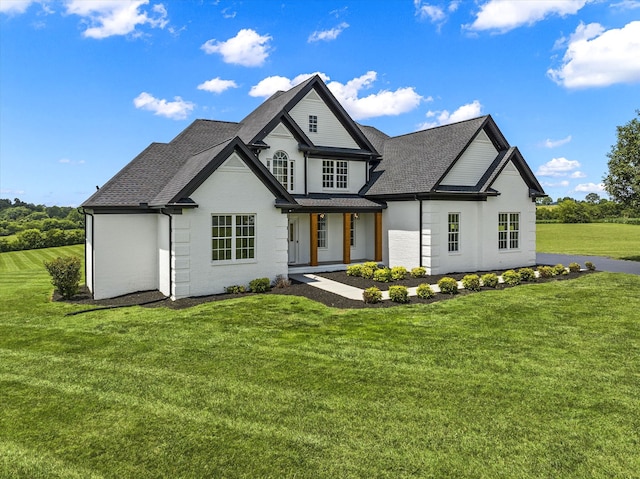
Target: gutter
x=162, y=211
x=420, y=232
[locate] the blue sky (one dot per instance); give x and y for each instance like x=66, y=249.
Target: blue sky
x=86, y=85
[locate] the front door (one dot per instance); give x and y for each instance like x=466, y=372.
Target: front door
x=293, y=240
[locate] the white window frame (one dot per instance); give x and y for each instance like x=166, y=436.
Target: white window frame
x=240, y=239
x=285, y=176
x=335, y=174
x=453, y=232
x=323, y=232
x=508, y=231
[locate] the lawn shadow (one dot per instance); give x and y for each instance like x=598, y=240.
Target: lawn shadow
x=631, y=258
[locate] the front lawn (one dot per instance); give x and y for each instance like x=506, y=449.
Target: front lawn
x=619, y=241
x=535, y=381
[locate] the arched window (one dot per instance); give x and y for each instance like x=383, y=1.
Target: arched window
x=282, y=168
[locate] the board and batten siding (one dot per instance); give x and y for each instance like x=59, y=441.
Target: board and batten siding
x=330, y=130
x=231, y=189
x=473, y=163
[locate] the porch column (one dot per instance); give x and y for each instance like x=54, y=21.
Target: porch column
x=378, y=237
x=346, y=238
x=313, y=244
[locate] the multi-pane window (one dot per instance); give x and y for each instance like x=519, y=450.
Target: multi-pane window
x=313, y=124
x=233, y=237
x=454, y=232
x=322, y=231
x=352, y=230
x=335, y=174
x=508, y=230
x=282, y=168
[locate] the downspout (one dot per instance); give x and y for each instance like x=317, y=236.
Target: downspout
x=306, y=161
x=420, y=232
x=170, y=251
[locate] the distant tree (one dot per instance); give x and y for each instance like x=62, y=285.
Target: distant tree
x=623, y=180
x=592, y=198
x=15, y=213
x=571, y=211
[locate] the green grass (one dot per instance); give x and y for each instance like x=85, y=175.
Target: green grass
x=535, y=381
x=619, y=241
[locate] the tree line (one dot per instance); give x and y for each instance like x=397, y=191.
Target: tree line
x=29, y=226
x=592, y=209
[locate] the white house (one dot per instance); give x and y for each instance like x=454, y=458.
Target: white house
x=298, y=185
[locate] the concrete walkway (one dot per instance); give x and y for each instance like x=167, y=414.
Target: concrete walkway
x=601, y=263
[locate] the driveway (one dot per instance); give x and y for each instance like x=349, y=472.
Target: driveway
x=601, y=263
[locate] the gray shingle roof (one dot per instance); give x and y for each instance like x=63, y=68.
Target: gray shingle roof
x=414, y=163
x=353, y=203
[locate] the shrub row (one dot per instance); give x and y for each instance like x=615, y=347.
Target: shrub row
x=382, y=274
x=35, y=239
x=259, y=285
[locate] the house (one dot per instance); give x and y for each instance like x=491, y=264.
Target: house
x=298, y=185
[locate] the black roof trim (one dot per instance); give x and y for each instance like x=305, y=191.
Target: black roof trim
x=334, y=152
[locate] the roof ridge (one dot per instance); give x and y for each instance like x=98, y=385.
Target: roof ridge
x=442, y=126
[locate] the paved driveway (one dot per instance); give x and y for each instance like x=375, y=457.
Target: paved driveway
x=602, y=263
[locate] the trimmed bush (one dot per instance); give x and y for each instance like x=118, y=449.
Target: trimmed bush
x=511, y=277
x=398, y=273
x=260, y=285
x=448, y=285
x=399, y=294
x=65, y=275
x=490, y=280
x=574, y=267
x=558, y=269
x=382, y=275
x=235, y=289
x=419, y=272
x=367, y=272
x=424, y=291
x=372, y=295
x=471, y=282
x=590, y=266
x=545, y=271
x=527, y=274
x=354, y=270
x=371, y=264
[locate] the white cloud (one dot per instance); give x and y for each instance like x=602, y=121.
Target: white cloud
x=176, y=110
x=590, y=188
x=15, y=7
x=502, y=16
x=382, y=103
x=559, y=184
x=216, y=85
x=432, y=12
x=444, y=117
x=67, y=161
x=597, y=58
x=107, y=18
x=328, y=35
x=549, y=143
x=558, y=167
x=626, y=4
x=247, y=48
x=578, y=174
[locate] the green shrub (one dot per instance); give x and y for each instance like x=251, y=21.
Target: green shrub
x=65, y=275
x=511, y=277
x=527, y=274
x=367, y=272
x=574, y=267
x=590, y=266
x=471, y=282
x=558, y=269
x=371, y=264
x=448, y=285
x=398, y=273
x=424, y=291
x=399, y=294
x=419, y=272
x=30, y=239
x=235, y=289
x=382, y=275
x=354, y=270
x=490, y=280
x=260, y=285
x=372, y=295
x=545, y=271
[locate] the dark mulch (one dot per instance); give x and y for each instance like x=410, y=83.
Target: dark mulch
x=157, y=299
